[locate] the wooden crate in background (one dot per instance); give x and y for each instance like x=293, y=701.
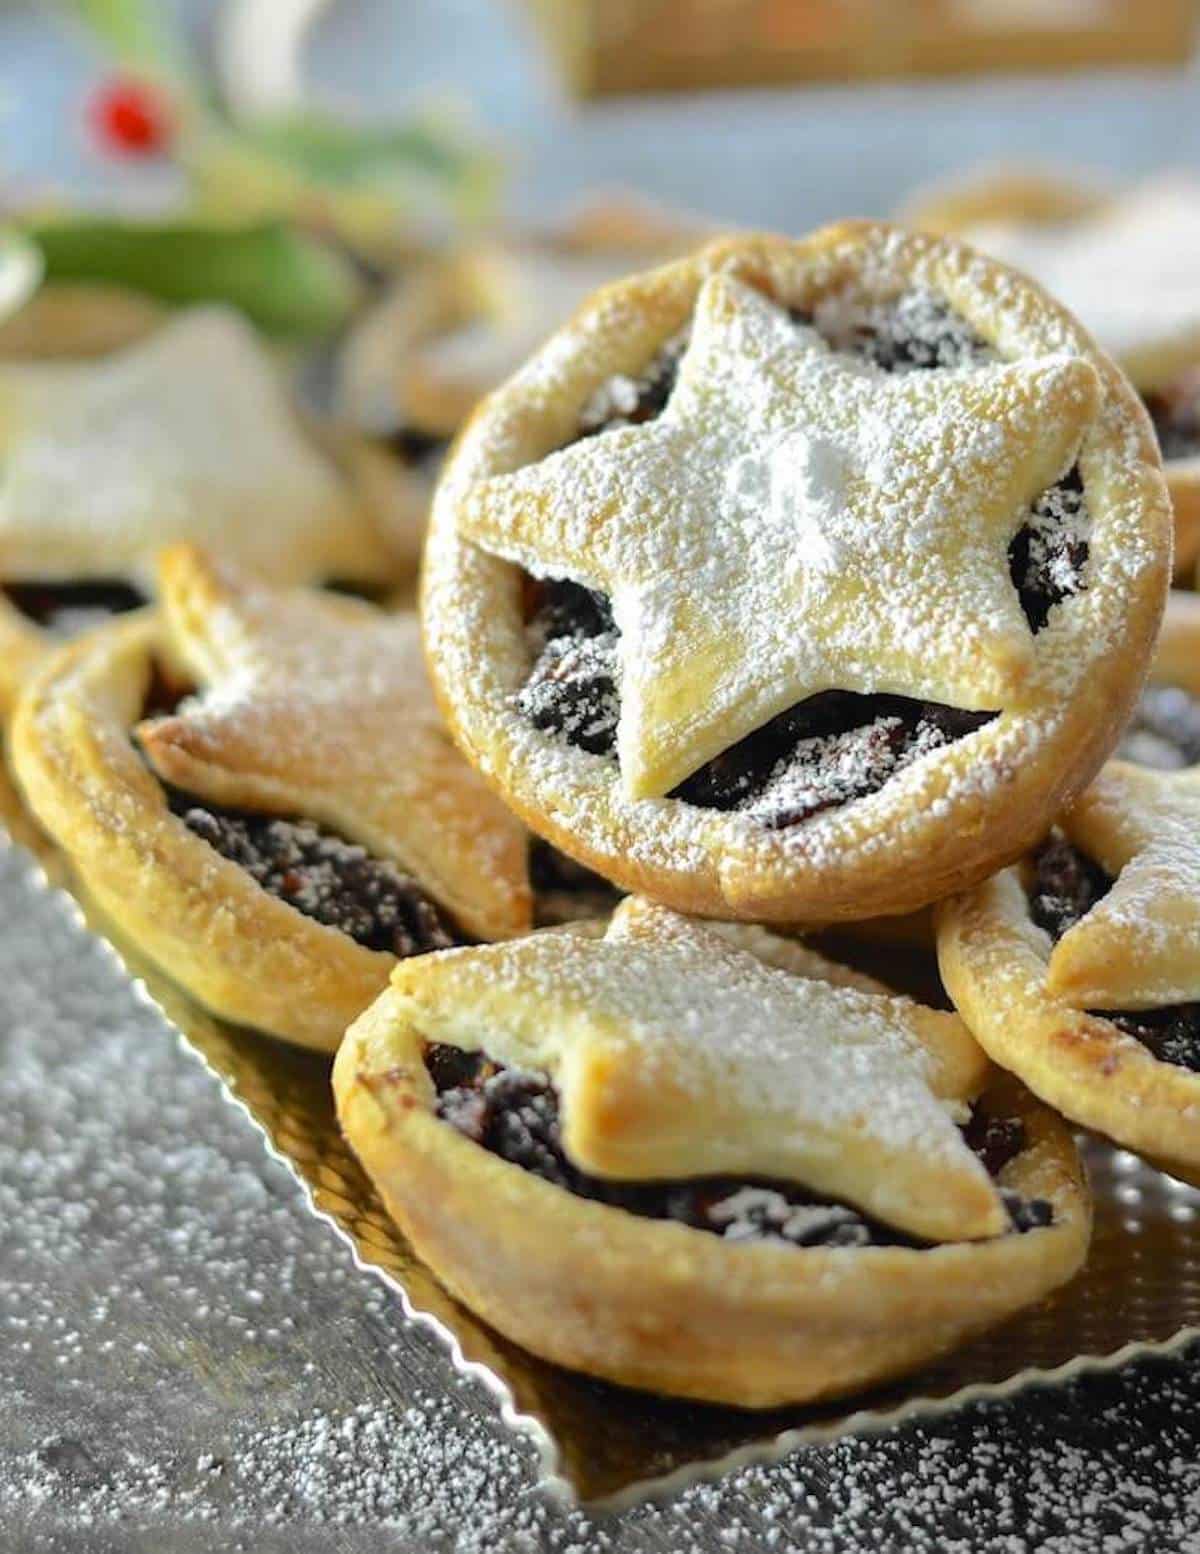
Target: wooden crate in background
x=606, y=46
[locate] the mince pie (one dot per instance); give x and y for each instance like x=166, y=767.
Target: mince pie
x=800, y=581
x=1125, y=264
x=1080, y=969
x=184, y=435
x=1165, y=728
x=275, y=839
x=704, y=1160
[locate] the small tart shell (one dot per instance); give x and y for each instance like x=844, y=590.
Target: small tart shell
x=993, y=960
x=246, y=955
x=1038, y=199
x=658, y=1305
x=948, y=820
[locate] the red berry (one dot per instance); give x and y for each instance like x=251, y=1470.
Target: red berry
x=130, y=118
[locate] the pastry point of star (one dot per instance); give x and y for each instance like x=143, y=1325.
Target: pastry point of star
x=1139, y=946
x=645, y=1099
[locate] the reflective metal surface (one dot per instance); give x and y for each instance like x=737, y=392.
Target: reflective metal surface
x=1140, y=1290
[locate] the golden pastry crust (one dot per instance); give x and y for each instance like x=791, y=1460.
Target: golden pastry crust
x=319, y=706
x=70, y=322
x=246, y=954
x=182, y=435
x=61, y=322
x=1177, y=653
x=996, y=963
x=659, y=1305
x=1024, y=197
x=1139, y=946
x=1003, y=194
x=949, y=820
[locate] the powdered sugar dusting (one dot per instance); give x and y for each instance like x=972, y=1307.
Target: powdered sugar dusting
x=738, y=1067
x=320, y=708
x=186, y=436
x=190, y=1360
x=480, y=654
x=796, y=520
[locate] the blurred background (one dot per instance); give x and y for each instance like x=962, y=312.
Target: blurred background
x=864, y=100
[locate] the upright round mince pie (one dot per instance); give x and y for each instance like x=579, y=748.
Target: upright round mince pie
x=1124, y=264
x=703, y=1160
x=184, y=435
x=276, y=839
x=1080, y=970
x=801, y=581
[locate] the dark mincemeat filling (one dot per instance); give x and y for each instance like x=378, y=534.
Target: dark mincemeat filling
x=67, y=608
x=335, y=882
x=825, y=751
x=1066, y=886
x=565, y=891
x=514, y=1113
x=1164, y=731
x=1176, y=416
x=836, y=747
x=320, y=874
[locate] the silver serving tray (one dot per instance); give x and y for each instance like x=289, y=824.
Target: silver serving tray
x=1139, y=1293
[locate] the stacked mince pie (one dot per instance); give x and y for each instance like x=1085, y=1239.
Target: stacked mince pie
x=789, y=588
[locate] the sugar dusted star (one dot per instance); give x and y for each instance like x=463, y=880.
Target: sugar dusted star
x=796, y=521
x=678, y=1054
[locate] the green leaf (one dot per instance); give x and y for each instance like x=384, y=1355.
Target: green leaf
x=20, y=270
x=283, y=280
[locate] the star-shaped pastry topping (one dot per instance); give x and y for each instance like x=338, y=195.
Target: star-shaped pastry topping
x=1139, y=946
x=797, y=521
x=1126, y=270
x=188, y=435
x=318, y=707
x=678, y=1054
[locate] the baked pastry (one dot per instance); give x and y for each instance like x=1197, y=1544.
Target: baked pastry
x=1165, y=728
x=414, y=365
x=186, y=435
x=800, y=581
x=703, y=1160
x=1080, y=970
x=1123, y=264
x=274, y=840
x=71, y=322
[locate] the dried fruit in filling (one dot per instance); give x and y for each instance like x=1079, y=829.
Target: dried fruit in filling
x=333, y=881
x=514, y=1113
